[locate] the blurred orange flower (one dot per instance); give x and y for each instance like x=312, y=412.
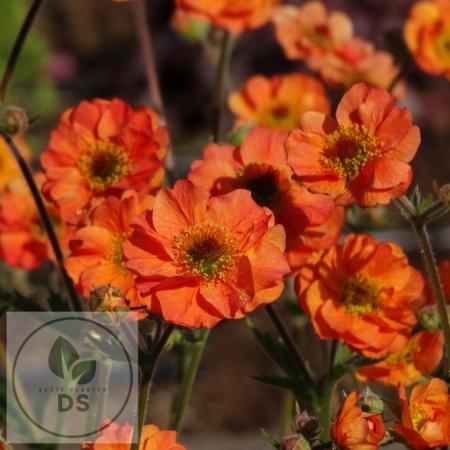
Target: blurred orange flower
x=419, y=359
x=9, y=169
x=200, y=259
x=23, y=239
x=96, y=254
x=234, y=15
x=354, y=429
x=280, y=101
x=259, y=165
x=310, y=32
x=101, y=148
x=427, y=34
x=362, y=157
x=425, y=421
x=115, y=437
x=363, y=292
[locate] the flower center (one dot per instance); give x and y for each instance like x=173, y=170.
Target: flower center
x=103, y=164
x=418, y=417
x=115, y=251
x=443, y=45
x=406, y=356
x=360, y=295
x=348, y=149
x=266, y=183
x=207, y=250
x=279, y=115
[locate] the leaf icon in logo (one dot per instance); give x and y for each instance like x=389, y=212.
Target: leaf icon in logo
x=84, y=372
x=61, y=357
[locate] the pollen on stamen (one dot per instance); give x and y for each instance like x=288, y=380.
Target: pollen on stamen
x=348, y=149
x=103, y=164
x=115, y=251
x=207, y=250
x=360, y=295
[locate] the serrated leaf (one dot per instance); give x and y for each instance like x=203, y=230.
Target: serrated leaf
x=61, y=358
x=84, y=371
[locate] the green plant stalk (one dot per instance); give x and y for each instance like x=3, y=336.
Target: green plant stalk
x=325, y=411
x=17, y=48
x=226, y=50
x=191, y=375
x=287, y=413
x=45, y=217
x=148, y=367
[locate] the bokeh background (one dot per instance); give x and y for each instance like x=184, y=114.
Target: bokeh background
x=82, y=49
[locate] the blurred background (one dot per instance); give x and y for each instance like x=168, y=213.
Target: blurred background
x=89, y=48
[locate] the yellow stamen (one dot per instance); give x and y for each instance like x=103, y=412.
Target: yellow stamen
x=348, y=149
x=115, y=251
x=207, y=250
x=360, y=295
x=418, y=417
x=103, y=164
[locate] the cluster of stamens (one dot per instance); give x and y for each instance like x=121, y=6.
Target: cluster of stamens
x=103, y=164
x=207, y=250
x=115, y=251
x=360, y=295
x=348, y=149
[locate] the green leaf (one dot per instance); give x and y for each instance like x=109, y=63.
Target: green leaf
x=61, y=357
x=84, y=371
x=16, y=301
x=270, y=439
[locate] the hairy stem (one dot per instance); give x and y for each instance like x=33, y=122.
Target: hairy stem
x=290, y=344
x=46, y=221
x=189, y=379
x=325, y=411
x=148, y=369
x=220, y=85
x=17, y=47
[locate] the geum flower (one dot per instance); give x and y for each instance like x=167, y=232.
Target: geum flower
x=354, y=429
x=9, y=169
x=425, y=421
x=101, y=148
x=200, y=259
x=118, y=437
x=427, y=34
x=363, y=292
x=96, y=253
x=419, y=359
x=279, y=101
x=260, y=166
x=361, y=156
x=235, y=16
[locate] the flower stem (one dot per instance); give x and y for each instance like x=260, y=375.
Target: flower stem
x=289, y=342
x=220, y=84
x=27, y=174
x=148, y=369
x=190, y=377
x=17, y=48
x=325, y=411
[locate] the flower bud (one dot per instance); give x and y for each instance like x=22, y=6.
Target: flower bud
x=307, y=424
x=107, y=298
x=371, y=402
x=429, y=318
x=13, y=120
x=295, y=442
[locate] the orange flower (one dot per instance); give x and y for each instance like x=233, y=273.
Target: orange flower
x=280, y=101
x=118, y=437
x=309, y=31
x=425, y=422
x=96, y=256
x=200, y=259
x=23, y=240
x=354, y=429
x=9, y=169
x=234, y=15
x=420, y=358
x=362, y=157
x=260, y=166
x=363, y=292
x=427, y=34
x=101, y=148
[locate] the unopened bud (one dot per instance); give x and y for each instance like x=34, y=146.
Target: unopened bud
x=371, y=402
x=429, y=318
x=306, y=423
x=13, y=120
x=444, y=192
x=191, y=27
x=295, y=442
x=107, y=298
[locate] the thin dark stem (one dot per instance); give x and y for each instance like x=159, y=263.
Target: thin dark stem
x=289, y=342
x=148, y=55
x=46, y=221
x=148, y=369
x=220, y=84
x=17, y=48
x=404, y=69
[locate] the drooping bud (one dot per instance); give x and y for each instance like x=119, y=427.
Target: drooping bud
x=295, y=442
x=107, y=298
x=13, y=120
x=371, y=402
